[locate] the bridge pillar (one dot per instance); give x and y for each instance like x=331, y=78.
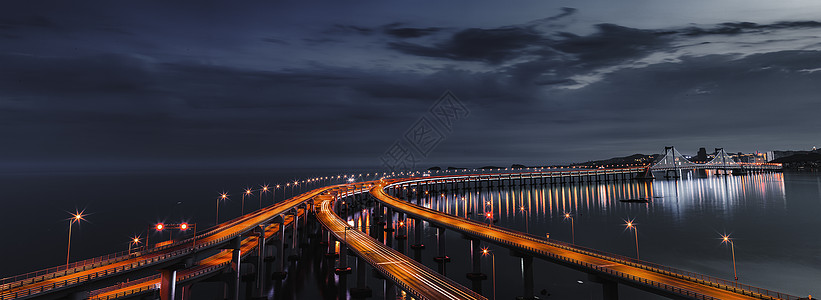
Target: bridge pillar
x=442, y=259
x=168, y=283
x=476, y=276
x=610, y=288
x=186, y=292
x=234, y=280
x=294, y=235
x=527, y=276
x=361, y=290
x=280, y=273
x=390, y=289
x=260, y=278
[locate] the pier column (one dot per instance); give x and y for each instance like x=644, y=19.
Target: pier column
x=168, y=283
x=610, y=288
x=527, y=276
x=442, y=259
x=476, y=276
x=260, y=278
x=361, y=290
x=294, y=242
x=280, y=273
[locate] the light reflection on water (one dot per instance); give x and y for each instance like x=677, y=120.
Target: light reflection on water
x=771, y=216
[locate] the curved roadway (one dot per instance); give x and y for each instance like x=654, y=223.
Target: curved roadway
x=594, y=263
x=413, y=276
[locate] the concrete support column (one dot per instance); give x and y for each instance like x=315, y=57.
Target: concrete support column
x=476, y=276
x=527, y=276
x=294, y=235
x=442, y=259
x=168, y=283
x=610, y=288
x=234, y=279
x=280, y=273
x=260, y=278
x=361, y=290
x=186, y=292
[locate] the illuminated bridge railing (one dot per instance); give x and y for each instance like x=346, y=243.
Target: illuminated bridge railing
x=378, y=266
x=691, y=276
x=139, y=286
x=96, y=262
x=148, y=261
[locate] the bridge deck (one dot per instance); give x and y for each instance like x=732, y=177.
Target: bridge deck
x=411, y=275
x=207, y=266
x=223, y=233
x=631, y=273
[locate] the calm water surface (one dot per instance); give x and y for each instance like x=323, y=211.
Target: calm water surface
x=773, y=219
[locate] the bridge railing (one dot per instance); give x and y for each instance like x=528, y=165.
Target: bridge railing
x=650, y=266
x=691, y=276
x=111, y=271
x=140, y=287
x=379, y=267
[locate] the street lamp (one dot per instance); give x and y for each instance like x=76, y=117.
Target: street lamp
x=247, y=193
x=525, y=212
x=263, y=189
x=134, y=241
x=727, y=239
x=489, y=217
x=485, y=251
x=76, y=217
x=631, y=225
x=185, y=227
x=567, y=215
x=222, y=197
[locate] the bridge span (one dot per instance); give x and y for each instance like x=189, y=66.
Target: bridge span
x=606, y=268
x=184, y=263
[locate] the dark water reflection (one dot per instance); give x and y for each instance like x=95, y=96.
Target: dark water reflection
x=772, y=217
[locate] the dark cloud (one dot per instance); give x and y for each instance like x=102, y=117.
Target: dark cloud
x=731, y=28
x=408, y=32
x=342, y=29
x=487, y=45
x=610, y=42
x=566, y=11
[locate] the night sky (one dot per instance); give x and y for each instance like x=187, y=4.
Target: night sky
x=270, y=84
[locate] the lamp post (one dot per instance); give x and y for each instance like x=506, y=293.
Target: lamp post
x=263, y=189
x=186, y=226
x=489, y=217
x=76, y=217
x=572, y=226
x=631, y=225
x=247, y=193
x=485, y=251
x=727, y=239
x=134, y=241
x=525, y=212
x=222, y=197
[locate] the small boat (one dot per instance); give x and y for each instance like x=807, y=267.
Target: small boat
x=636, y=200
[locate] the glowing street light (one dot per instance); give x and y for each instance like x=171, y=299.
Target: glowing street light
x=76, y=217
x=489, y=217
x=222, y=197
x=632, y=226
x=525, y=212
x=727, y=239
x=262, y=190
x=134, y=241
x=567, y=215
x=247, y=193
x=485, y=251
